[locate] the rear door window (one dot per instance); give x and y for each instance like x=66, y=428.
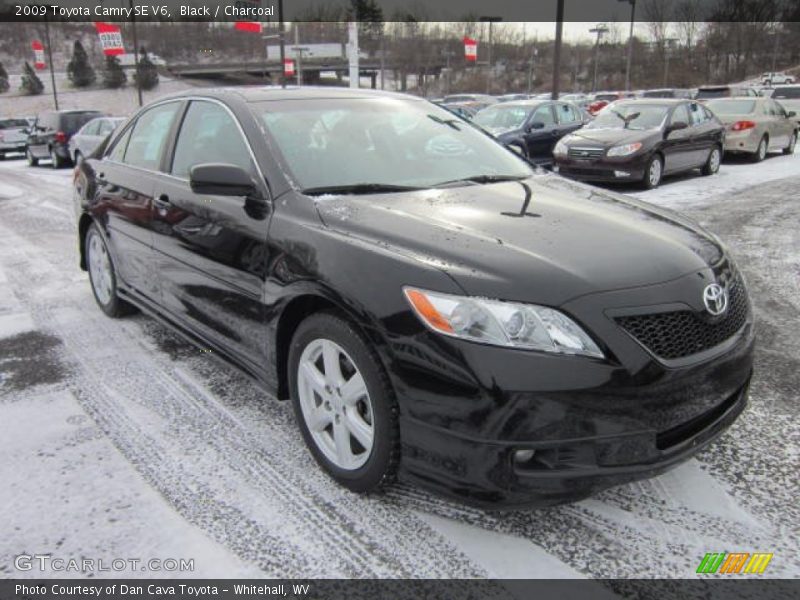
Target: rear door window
x=681, y=115
x=150, y=133
x=544, y=114
x=567, y=113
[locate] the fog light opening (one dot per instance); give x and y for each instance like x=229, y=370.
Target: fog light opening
x=621, y=174
x=523, y=456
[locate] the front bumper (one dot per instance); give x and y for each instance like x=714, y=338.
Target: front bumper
x=468, y=409
x=601, y=169
x=6, y=147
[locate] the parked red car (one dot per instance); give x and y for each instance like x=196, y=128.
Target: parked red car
x=603, y=99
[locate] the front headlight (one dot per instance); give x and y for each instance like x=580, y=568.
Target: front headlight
x=560, y=149
x=624, y=150
x=509, y=324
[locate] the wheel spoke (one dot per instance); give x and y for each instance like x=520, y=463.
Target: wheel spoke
x=330, y=359
x=314, y=378
x=354, y=389
x=318, y=418
x=359, y=429
x=341, y=436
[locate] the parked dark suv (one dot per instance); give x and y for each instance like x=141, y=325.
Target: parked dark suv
x=435, y=308
x=50, y=133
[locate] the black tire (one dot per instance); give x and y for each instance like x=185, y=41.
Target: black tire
x=56, y=160
x=32, y=160
x=792, y=143
x=380, y=469
x=650, y=182
x=115, y=307
x=2, y=156
x=761, y=153
x=712, y=166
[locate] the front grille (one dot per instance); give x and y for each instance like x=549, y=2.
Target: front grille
x=681, y=333
x=585, y=152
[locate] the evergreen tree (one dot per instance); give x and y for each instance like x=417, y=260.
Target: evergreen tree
x=4, y=85
x=79, y=71
x=31, y=84
x=146, y=73
x=113, y=75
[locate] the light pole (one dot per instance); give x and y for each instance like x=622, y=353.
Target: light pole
x=557, y=49
x=136, y=74
x=298, y=50
x=630, y=45
x=599, y=30
x=491, y=21
x=667, y=47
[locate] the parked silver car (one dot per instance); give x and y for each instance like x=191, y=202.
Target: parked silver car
x=13, y=135
x=788, y=96
x=755, y=126
x=90, y=136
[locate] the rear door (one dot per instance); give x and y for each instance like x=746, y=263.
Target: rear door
x=569, y=119
x=704, y=134
x=780, y=126
x=212, y=250
x=85, y=138
x=42, y=131
x=126, y=178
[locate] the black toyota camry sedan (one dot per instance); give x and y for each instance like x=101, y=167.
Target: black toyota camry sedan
x=434, y=309
x=643, y=140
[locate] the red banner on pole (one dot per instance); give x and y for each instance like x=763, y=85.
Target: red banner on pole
x=38, y=55
x=288, y=67
x=470, y=49
x=248, y=26
x=110, y=39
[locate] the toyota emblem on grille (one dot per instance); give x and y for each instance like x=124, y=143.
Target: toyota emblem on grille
x=715, y=297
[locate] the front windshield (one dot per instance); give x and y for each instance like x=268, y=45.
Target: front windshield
x=732, y=107
x=502, y=117
x=630, y=116
x=786, y=93
x=330, y=143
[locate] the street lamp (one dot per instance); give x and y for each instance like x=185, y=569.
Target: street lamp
x=557, y=50
x=599, y=30
x=490, y=20
x=630, y=45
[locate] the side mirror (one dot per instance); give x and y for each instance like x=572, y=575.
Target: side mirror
x=221, y=180
x=791, y=114
x=536, y=125
x=677, y=126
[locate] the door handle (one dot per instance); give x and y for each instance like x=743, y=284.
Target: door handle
x=162, y=201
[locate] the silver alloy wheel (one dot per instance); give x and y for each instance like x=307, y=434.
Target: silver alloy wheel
x=100, y=269
x=762, y=149
x=714, y=160
x=792, y=143
x=654, y=174
x=53, y=158
x=336, y=406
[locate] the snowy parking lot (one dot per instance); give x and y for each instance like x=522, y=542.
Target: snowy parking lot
x=121, y=440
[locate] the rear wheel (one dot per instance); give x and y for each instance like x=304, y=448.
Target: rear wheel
x=761, y=152
x=103, y=276
x=32, y=160
x=713, y=162
x=55, y=159
x=653, y=172
x=344, y=403
x=792, y=143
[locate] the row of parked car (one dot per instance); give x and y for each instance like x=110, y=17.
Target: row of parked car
x=645, y=136
x=62, y=136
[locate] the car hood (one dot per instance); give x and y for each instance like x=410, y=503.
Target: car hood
x=610, y=137
x=571, y=239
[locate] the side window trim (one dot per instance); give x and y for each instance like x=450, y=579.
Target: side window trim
x=119, y=139
x=129, y=129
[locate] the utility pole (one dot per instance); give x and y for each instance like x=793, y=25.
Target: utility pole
x=352, y=48
x=531, y=65
x=557, y=49
x=298, y=50
x=630, y=45
x=50, y=59
x=777, y=34
x=599, y=30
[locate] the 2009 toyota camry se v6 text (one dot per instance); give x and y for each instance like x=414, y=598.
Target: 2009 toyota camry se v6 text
x=433, y=307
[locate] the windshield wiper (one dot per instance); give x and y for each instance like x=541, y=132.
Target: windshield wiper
x=482, y=179
x=359, y=188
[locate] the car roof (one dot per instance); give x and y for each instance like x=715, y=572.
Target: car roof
x=275, y=93
x=669, y=101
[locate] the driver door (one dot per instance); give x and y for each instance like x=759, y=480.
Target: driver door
x=678, y=145
x=541, y=133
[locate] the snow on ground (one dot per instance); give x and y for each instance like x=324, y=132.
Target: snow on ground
x=124, y=441
x=121, y=102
